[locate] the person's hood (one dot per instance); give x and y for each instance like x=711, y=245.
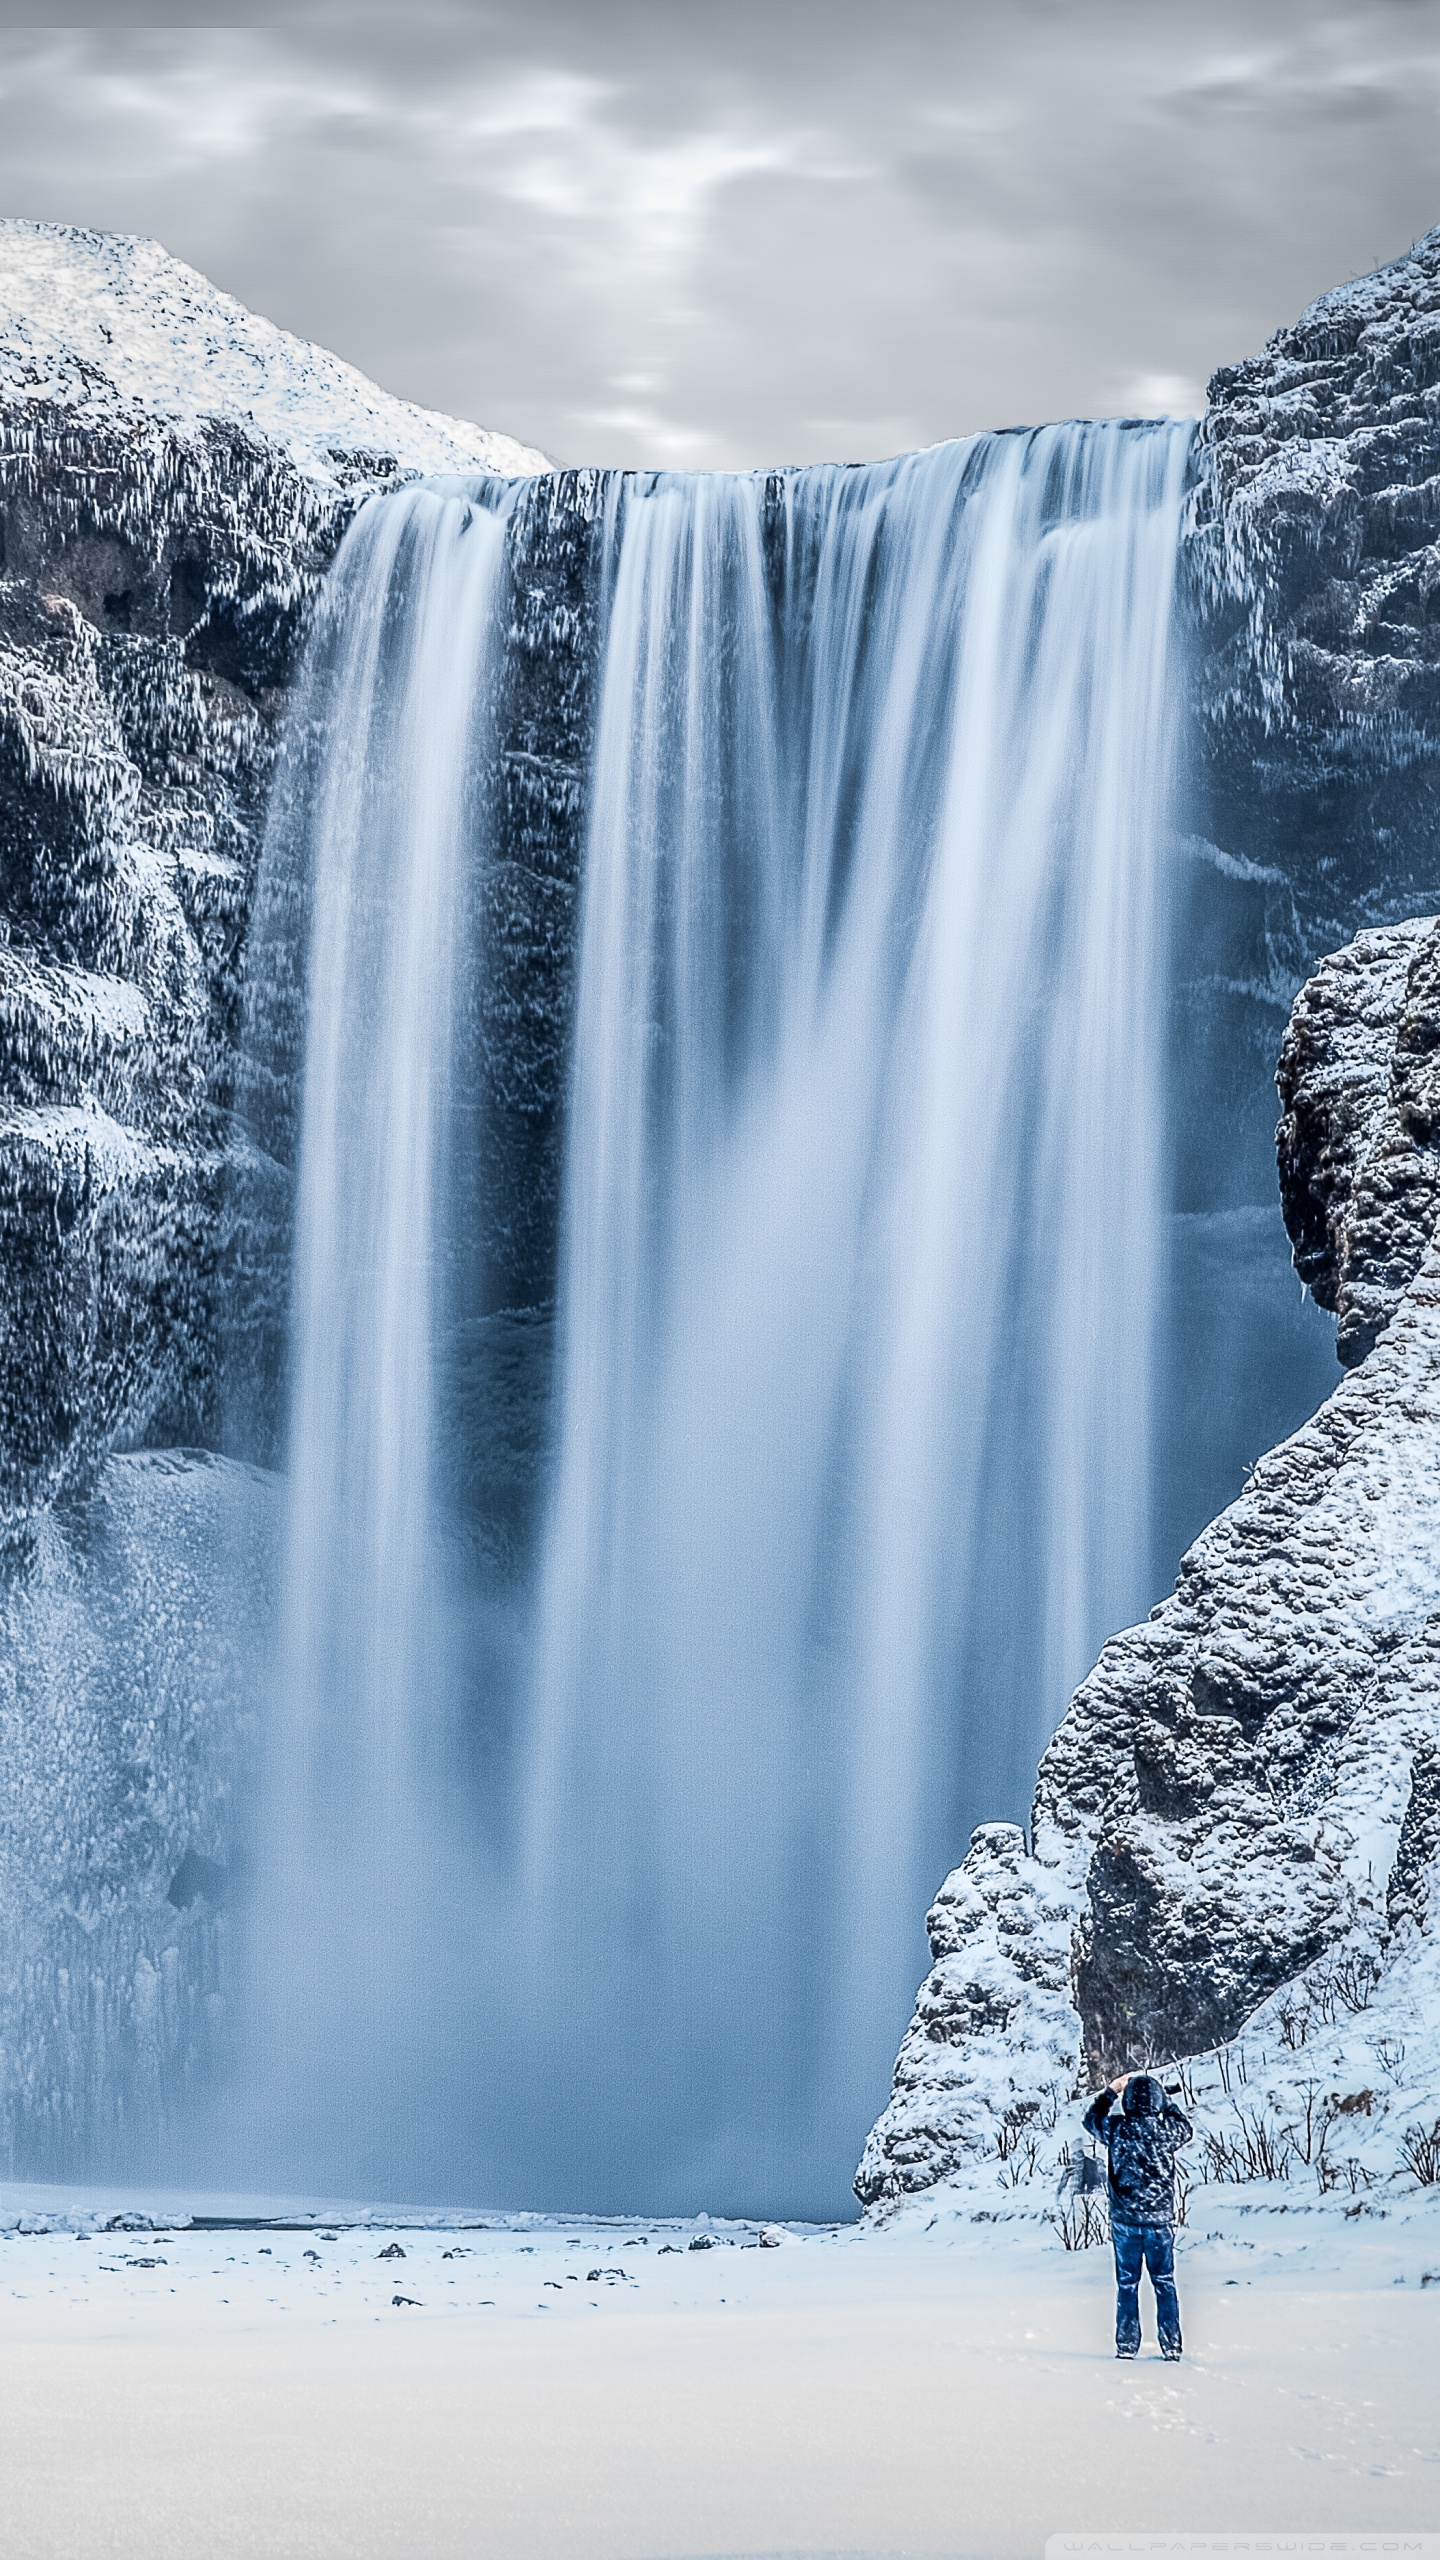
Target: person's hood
x=1143, y=2096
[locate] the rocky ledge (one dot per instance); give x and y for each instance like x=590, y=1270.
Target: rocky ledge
x=1243, y=1798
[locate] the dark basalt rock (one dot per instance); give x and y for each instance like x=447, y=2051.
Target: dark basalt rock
x=1359, y=1081
x=1410, y=1903
x=531, y=891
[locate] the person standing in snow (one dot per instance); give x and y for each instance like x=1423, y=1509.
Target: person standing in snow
x=1142, y=2130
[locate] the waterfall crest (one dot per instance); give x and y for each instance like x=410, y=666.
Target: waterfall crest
x=857, y=1294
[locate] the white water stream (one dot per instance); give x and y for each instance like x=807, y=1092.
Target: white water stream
x=357, y=1928
x=857, y=1295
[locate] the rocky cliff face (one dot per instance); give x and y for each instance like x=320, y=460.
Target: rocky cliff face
x=1359, y=1081
x=1244, y=1780
x=174, y=478
x=1316, y=540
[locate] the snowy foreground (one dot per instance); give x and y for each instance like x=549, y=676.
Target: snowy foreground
x=549, y=2390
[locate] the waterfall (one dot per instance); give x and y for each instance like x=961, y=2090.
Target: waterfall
x=356, y=1866
x=862, y=1241
x=859, y=1266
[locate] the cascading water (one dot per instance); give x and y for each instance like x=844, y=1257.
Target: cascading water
x=357, y=1934
x=858, y=1286
x=862, y=1245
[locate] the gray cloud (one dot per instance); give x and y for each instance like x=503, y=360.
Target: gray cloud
x=641, y=230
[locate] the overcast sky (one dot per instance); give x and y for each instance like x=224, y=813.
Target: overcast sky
x=736, y=231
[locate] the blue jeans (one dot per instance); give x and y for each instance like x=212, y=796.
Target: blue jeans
x=1135, y=2246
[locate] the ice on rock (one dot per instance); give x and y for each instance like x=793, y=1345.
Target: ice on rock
x=124, y=1733
x=175, y=475
x=993, y=2050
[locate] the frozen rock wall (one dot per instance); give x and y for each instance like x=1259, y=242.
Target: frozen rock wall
x=126, y=1724
x=1317, y=541
x=1359, y=1081
x=174, y=477
x=1309, y=811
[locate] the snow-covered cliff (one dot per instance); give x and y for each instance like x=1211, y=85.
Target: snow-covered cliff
x=174, y=477
x=1241, y=1801
x=1315, y=553
x=1322, y=454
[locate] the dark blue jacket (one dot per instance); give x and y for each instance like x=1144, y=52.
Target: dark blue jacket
x=1142, y=2133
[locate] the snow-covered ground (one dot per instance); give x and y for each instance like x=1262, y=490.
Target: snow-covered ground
x=547, y=2390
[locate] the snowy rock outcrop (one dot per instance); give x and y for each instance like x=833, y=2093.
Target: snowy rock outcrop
x=993, y=2050
x=1324, y=465
x=1317, y=542
x=1359, y=1081
x=1242, y=1780
x=174, y=477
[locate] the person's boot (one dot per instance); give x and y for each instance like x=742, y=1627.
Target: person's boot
x=1171, y=2350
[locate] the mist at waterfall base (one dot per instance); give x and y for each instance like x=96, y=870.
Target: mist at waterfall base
x=589, y=1862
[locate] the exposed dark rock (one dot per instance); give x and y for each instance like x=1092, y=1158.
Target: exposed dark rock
x=196, y=1879
x=531, y=890
x=1359, y=1080
x=1410, y=1895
